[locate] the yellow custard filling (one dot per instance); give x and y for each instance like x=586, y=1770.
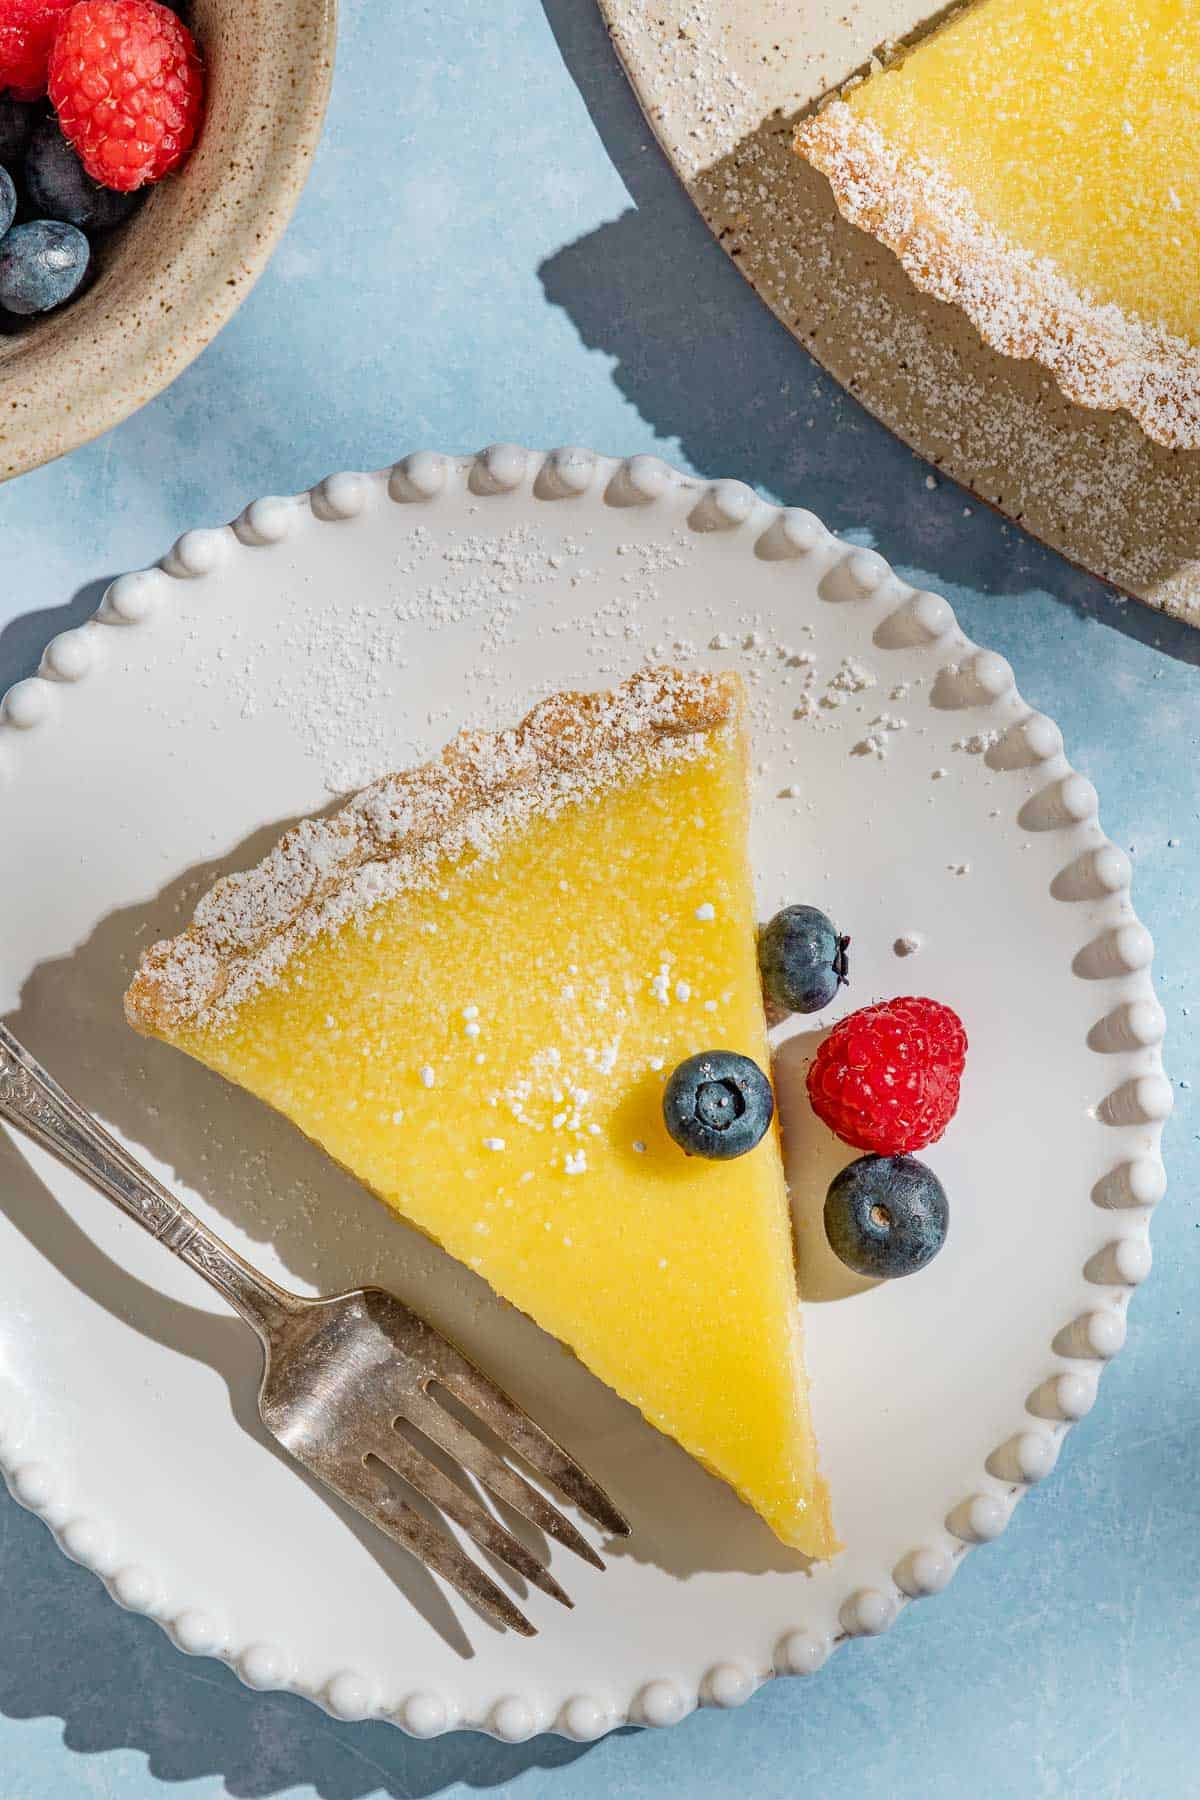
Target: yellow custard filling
x=486, y=1050
x=1073, y=130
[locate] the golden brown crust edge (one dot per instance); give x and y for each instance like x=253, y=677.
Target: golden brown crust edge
x=322, y=870
x=1021, y=305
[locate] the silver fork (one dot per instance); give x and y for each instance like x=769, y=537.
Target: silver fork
x=342, y=1374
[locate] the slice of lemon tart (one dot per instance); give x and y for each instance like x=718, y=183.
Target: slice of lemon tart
x=1035, y=163
x=471, y=984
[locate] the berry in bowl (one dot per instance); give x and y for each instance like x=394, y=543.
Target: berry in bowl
x=150, y=156
x=103, y=99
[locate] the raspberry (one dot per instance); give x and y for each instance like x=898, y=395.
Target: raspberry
x=27, y=32
x=886, y=1078
x=128, y=87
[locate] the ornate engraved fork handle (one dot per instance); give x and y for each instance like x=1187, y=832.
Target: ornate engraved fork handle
x=33, y=1101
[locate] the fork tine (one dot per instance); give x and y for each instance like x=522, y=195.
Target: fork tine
x=481, y=1395
x=405, y=1460
x=378, y=1502
x=422, y=1409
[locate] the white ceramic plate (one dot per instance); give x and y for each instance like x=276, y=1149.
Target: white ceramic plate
x=323, y=638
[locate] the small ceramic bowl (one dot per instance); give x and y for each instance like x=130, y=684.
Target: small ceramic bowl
x=170, y=278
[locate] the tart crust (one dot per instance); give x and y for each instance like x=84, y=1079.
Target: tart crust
x=394, y=834
x=1021, y=305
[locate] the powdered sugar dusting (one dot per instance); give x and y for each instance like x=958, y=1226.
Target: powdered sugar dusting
x=978, y=744
x=1021, y=304
x=692, y=62
x=398, y=833
x=876, y=742
x=485, y=582
x=487, y=576
x=339, y=656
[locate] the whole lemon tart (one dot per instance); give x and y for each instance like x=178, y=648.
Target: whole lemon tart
x=471, y=984
x=1034, y=163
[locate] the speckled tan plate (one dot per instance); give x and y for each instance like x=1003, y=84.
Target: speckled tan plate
x=172, y=277
x=720, y=83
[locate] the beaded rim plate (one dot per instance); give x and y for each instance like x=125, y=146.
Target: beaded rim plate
x=902, y=783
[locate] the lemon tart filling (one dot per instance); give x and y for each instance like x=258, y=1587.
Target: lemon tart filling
x=471, y=985
x=1033, y=164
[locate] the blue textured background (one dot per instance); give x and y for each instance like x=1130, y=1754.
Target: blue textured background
x=491, y=246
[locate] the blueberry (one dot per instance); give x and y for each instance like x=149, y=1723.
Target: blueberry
x=718, y=1104
x=58, y=187
x=8, y=200
x=41, y=265
x=17, y=120
x=802, y=959
x=886, y=1215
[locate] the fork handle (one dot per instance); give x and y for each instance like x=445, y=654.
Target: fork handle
x=34, y=1102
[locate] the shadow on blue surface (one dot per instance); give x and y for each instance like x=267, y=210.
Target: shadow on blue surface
x=653, y=291
x=111, y=1679
x=24, y=638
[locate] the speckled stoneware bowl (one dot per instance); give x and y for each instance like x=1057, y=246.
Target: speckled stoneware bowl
x=171, y=277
